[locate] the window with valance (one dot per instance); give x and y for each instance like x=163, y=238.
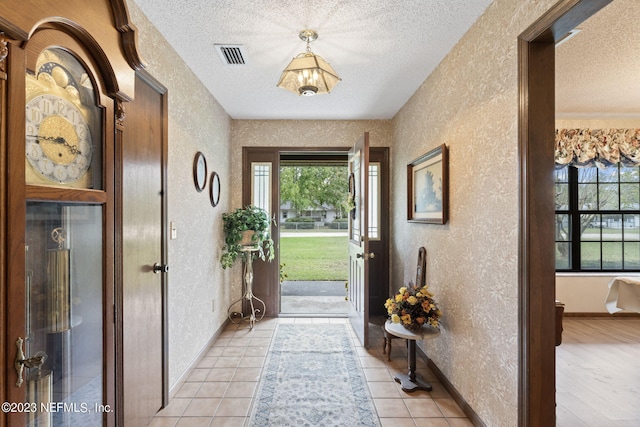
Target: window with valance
x=597, y=147
x=597, y=200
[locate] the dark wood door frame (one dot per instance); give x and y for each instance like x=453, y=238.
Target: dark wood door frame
x=536, y=269
x=272, y=154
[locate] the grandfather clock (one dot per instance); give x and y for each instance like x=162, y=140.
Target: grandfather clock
x=65, y=71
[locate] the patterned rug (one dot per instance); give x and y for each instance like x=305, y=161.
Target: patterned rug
x=312, y=377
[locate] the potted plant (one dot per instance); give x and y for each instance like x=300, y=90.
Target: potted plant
x=248, y=226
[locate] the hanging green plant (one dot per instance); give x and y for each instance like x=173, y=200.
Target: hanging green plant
x=240, y=223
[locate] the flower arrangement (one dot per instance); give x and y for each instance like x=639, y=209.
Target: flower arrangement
x=413, y=306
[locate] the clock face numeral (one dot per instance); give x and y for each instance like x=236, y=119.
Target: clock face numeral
x=58, y=140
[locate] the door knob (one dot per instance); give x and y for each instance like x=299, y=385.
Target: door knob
x=370, y=255
x=160, y=268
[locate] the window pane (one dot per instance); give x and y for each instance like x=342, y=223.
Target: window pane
x=629, y=174
x=562, y=196
x=611, y=255
x=563, y=227
x=632, y=256
x=587, y=175
x=631, y=227
x=612, y=227
x=590, y=225
x=261, y=185
x=374, y=201
x=609, y=174
x=590, y=255
x=588, y=197
x=629, y=196
x=608, y=196
x=609, y=239
x=562, y=175
x=563, y=256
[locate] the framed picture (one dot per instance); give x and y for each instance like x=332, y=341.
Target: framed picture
x=428, y=187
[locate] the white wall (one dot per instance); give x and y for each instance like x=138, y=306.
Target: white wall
x=584, y=293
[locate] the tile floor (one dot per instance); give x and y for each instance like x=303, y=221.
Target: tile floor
x=220, y=389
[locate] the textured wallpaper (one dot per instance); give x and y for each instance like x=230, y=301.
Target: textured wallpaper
x=470, y=103
x=197, y=122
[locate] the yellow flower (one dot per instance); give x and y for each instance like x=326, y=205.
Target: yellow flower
x=413, y=305
x=391, y=308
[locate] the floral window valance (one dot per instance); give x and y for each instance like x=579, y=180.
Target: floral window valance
x=597, y=147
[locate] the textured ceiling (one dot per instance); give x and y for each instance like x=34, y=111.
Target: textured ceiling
x=382, y=49
x=598, y=70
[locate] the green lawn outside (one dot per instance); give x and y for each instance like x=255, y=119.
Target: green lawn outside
x=611, y=251
x=315, y=258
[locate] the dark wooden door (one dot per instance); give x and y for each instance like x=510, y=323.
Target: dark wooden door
x=359, y=255
x=260, y=188
x=143, y=246
x=379, y=287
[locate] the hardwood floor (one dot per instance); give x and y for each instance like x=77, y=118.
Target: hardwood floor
x=598, y=373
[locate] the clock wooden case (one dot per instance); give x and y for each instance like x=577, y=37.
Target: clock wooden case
x=66, y=71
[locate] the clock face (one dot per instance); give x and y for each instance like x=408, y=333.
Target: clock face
x=58, y=140
x=62, y=123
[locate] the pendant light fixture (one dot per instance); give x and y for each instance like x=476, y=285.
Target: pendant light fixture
x=308, y=74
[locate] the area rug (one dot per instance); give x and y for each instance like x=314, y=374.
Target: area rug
x=312, y=377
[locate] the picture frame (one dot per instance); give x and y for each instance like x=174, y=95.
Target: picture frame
x=428, y=187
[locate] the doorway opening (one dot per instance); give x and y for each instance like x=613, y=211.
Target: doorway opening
x=313, y=227
x=536, y=77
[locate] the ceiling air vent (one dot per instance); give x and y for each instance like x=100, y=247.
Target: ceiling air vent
x=231, y=54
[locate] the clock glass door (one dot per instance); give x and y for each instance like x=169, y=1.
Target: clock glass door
x=68, y=280
x=64, y=313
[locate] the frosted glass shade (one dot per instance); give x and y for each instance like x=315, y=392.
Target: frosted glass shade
x=308, y=74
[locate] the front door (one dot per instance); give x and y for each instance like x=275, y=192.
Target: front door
x=143, y=254
x=359, y=255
